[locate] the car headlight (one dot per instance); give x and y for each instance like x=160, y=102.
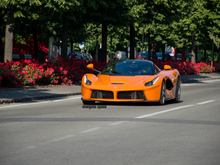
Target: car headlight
x=150, y=83
x=87, y=81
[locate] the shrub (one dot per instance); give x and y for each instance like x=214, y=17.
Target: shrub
x=8, y=77
x=57, y=71
x=187, y=68
x=69, y=71
x=205, y=68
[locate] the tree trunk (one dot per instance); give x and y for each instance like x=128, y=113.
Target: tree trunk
x=71, y=45
x=163, y=52
x=153, y=51
x=218, y=59
x=175, y=54
x=183, y=54
x=205, y=55
x=51, y=47
x=103, y=55
x=64, y=43
x=193, y=50
x=1, y=51
x=213, y=56
x=35, y=38
x=149, y=47
x=196, y=54
x=96, y=50
x=193, y=56
x=8, y=43
x=132, y=40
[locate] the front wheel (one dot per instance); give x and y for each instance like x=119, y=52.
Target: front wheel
x=85, y=102
x=163, y=94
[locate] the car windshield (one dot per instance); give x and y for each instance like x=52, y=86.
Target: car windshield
x=129, y=68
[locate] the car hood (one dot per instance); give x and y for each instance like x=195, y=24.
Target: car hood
x=125, y=81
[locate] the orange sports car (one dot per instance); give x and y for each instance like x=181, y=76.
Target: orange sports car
x=131, y=81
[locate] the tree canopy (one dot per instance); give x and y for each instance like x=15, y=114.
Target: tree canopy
x=178, y=23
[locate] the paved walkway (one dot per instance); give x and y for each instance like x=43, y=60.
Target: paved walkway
x=10, y=95
x=27, y=94
x=199, y=78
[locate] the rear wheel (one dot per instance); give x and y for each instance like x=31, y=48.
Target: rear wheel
x=163, y=94
x=178, y=91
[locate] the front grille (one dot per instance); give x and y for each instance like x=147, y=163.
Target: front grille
x=102, y=94
x=131, y=95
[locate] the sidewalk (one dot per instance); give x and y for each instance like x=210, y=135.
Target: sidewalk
x=199, y=78
x=27, y=94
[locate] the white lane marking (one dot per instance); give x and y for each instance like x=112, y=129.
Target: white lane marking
x=206, y=102
x=90, y=130
x=116, y=123
x=164, y=111
x=61, y=138
x=40, y=102
x=67, y=99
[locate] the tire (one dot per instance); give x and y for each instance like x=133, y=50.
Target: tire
x=163, y=94
x=85, y=102
x=178, y=91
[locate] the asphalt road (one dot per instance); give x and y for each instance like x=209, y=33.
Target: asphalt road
x=62, y=132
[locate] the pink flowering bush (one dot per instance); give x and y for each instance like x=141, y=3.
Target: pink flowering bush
x=54, y=72
x=187, y=68
x=8, y=77
x=205, y=68
x=69, y=71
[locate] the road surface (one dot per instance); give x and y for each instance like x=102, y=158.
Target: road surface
x=62, y=132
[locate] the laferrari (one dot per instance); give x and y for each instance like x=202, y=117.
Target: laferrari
x=131, y=81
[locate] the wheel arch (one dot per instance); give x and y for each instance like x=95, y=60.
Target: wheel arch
x=169, y=83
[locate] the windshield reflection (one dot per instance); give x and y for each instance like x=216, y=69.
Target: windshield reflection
x=129, y=68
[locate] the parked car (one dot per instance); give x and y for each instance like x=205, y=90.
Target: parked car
x=17, y=57
x=81, y=56
x=159, y=55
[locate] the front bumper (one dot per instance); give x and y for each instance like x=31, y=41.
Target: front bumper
x=141, y=94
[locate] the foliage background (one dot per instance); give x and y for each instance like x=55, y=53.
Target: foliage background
x=182, y=24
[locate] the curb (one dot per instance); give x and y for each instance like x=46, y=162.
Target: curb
x=31, y=99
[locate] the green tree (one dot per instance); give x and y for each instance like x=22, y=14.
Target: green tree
x=33, y=15
x=11, y=10
x=151, y=24
x=105, y=13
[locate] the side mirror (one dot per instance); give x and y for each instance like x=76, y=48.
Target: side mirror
x=90, y=66
x=167, y=67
